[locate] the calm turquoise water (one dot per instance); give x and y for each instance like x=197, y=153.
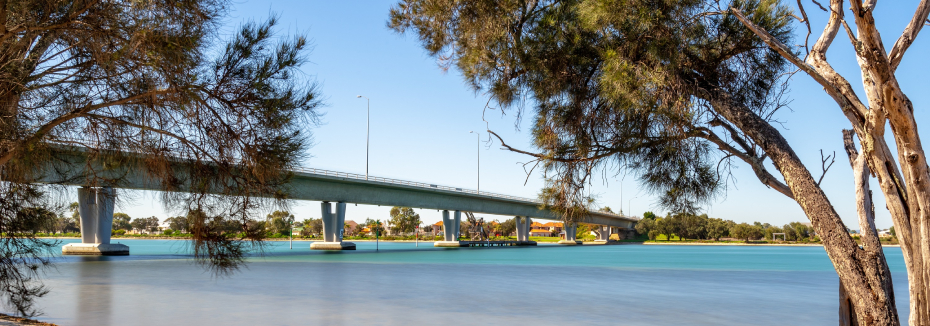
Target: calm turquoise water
x=405, y=285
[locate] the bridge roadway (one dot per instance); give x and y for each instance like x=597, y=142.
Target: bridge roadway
x=341, y=188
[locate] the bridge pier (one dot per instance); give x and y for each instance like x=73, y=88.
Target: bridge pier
x=603, y=234
x=451, y=228
x=570, y=229
x=96, y=207
x=333, y=226
x=523, y=225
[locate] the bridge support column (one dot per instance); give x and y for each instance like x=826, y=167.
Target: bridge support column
x=570, y=229
x=458, y=224
x=451, y=226
x=96, y=207
x=520, y=227
x=333, y=227
x=603, y=234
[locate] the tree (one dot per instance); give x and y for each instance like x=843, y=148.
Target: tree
x=644, y=226
x=649, y=215
x=664, y=225
x=145, y=224
x=178, y=223
x=507, y=227
x=717, y=228
x=149, y=87
x=279, y=222
x=375, y=226
x=314, y=225
x=121, y=222
x=606, y=209
x=891, y=230
x=652, y=88
x=403, y=220
x=743, y=231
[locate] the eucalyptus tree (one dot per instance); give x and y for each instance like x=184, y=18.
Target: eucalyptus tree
x=903, y=174
x=151, y=86
x=403, y=220
x=678, y=91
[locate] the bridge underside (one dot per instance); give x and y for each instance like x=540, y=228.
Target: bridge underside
x=332, y=187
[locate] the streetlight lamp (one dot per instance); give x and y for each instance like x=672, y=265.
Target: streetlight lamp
x=630, y=204
x=479, y=159
x=367, y=132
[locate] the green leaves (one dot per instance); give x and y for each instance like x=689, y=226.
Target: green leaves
x=617, y=86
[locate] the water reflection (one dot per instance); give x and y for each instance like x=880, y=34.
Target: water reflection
x=94, y=290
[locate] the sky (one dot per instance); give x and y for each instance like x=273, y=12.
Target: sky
x=420, y=118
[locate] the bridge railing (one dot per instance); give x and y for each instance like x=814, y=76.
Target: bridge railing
x=357, y=176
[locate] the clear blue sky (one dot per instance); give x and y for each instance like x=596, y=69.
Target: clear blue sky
x=421, y=117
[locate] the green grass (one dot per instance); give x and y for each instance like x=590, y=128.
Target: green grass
x=663, y=237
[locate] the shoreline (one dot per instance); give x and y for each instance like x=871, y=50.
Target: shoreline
x=744, y=244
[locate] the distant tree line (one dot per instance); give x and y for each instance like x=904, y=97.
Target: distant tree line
x=701, y=227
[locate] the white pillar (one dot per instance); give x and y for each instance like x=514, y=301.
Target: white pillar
x=333, y=227
x=96, y=207
x=570, y=229
x=522, y=231
x=528, y=226
x=340, y=225
x=448, y=229
x=328, y=221
x=604, y=232
x=458, y=224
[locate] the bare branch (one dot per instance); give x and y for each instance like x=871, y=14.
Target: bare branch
x=820, y=5
x=909, y=34
x=824, y=165
x=836, y=86
x=806, y=22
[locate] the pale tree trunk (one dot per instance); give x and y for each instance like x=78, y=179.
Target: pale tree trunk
x=904, y=179
x=863, y=271
x=847, y=311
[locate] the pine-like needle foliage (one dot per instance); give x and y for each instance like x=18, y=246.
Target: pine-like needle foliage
x=615, y=84
x=146, y=86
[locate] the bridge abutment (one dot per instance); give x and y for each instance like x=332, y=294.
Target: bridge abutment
x=333, y=227
x=96, y=208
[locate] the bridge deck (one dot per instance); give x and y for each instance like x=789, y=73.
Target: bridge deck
x=333, y=186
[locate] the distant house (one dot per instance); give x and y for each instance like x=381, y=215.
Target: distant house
x=350, y=227
x=553, y=227
x=437, y=228
x=884, y=233
x=540, y=233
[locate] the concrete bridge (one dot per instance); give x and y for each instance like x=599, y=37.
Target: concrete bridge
x=332, y=189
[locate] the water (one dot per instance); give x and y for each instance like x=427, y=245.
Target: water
x=405, y=285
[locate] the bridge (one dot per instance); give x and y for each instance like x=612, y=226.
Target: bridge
x=332, y=188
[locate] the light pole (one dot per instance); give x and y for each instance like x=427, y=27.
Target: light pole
x=367, y=132
x=629, y=204
x=479, y=158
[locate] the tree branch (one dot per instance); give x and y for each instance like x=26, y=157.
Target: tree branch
x=46, y=128
x=756, y=163
x=836, y=86
x=824, y=166
x=909, y=34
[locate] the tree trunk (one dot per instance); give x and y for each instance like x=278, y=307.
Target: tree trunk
x=865, y=274
x=847, y=311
